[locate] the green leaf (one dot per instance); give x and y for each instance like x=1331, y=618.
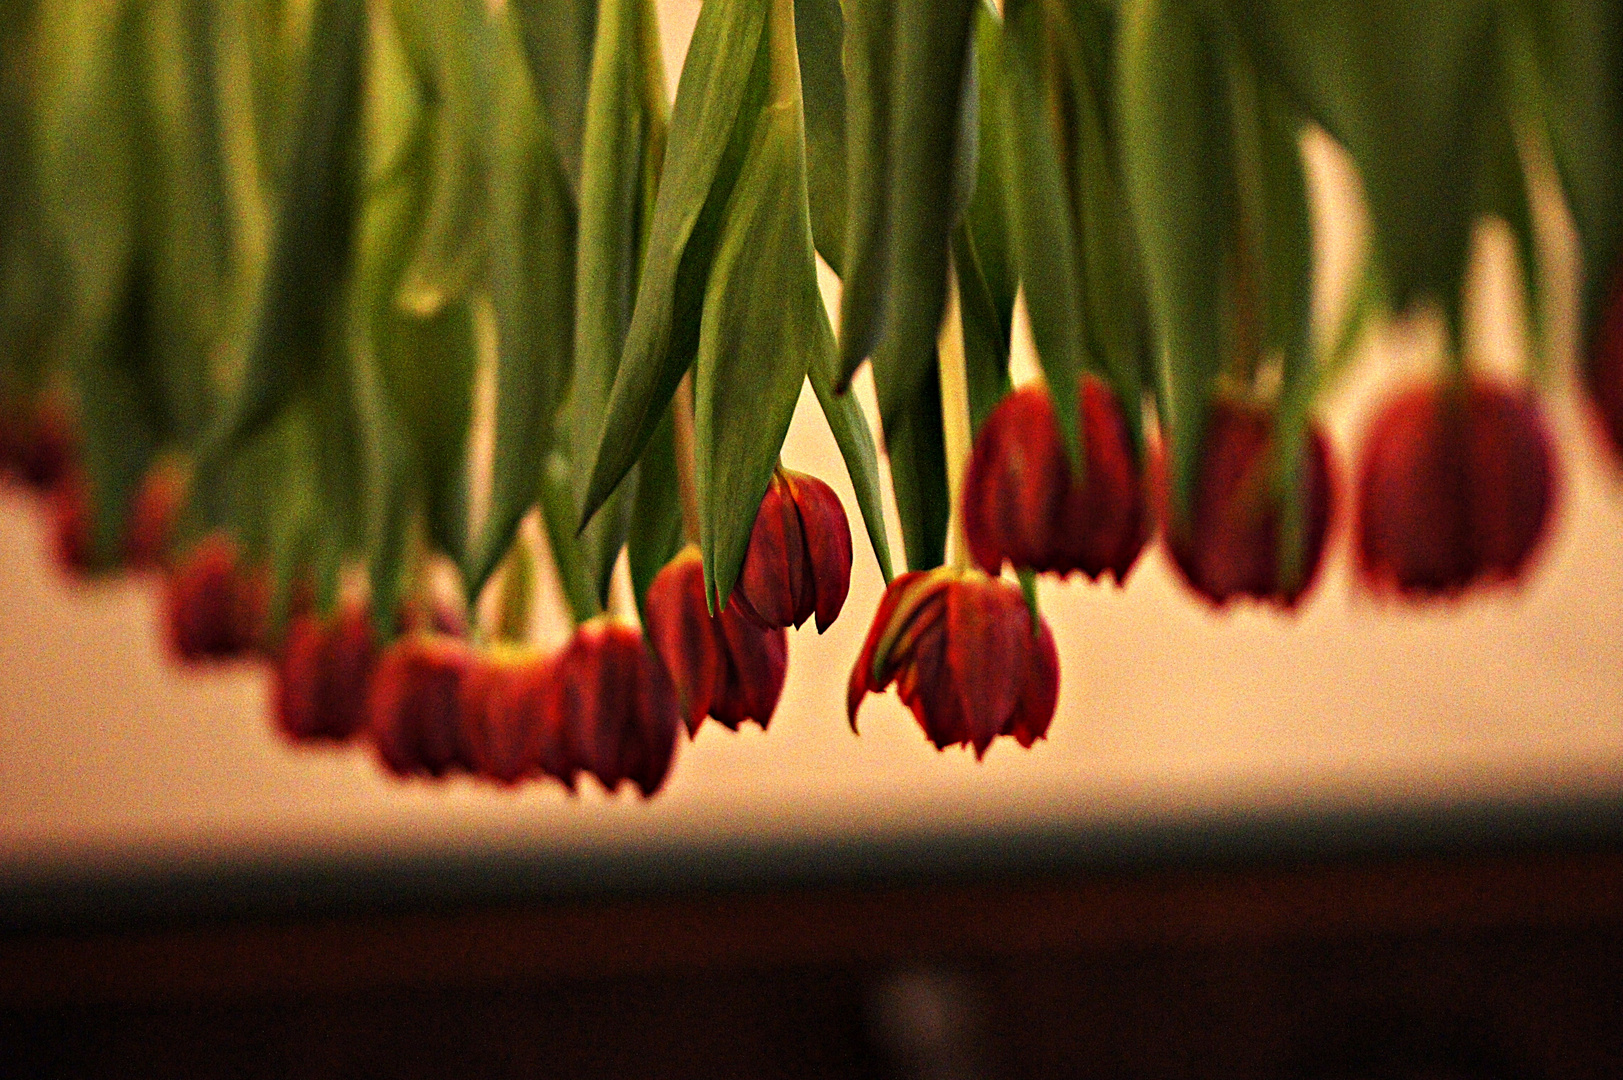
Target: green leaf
x=763, y=326
x=1502, y=193
x=722, y=88
x=820, y=39
x=918, y=470
x=623, y=155
x=900, y=220
x=558, y=37
x=855, y=439
x=656, y=515
x=532, y=288
x=581, y=589
x=450, y=47
x=1177, y=165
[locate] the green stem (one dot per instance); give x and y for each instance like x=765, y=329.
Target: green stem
x=955, y=429
x=687, y=490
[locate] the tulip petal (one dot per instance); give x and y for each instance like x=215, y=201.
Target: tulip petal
x=679, y=626
x=1039, y=692
x=756, y=663
x=827, y=534
x=774, y=564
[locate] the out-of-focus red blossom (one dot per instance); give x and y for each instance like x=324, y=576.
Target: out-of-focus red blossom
x=965, y=658
x=799, y=559
x=214, y=605
x=1230, y=546
x=615, y=709
x=72, y=521
x=39, y=441
x=726, y=665
x=324, y=674
x=1020, y=503
x=1456, y=487
x=506, y=730
x=1604, y=372
x=153, y=514
x=413, y=714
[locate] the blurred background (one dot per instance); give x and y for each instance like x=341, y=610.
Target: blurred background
x=1174, y=720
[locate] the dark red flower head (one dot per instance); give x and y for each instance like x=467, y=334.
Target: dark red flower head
x=153, y=514
x=615, y=710
x=39, y=440
x=414, y=708
x=1021, y=504
x=1604, y=371
x=965, y=658
x=799, y=559
x=73, y=541
x=1456, y=487
x=506, y=731
x=324, y=674
x=1231, y=545
x=726, y=665
x=215, y=605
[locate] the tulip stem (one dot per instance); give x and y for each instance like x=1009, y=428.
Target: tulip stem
x=686, y=488
x=955, y=428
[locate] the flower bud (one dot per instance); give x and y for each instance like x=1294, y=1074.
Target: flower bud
x=215, y=606
x=1603, y=375
x=615, y=709
x=39, y=440
x=504, y=698
x=725, y=666
x=1021, y=504
x=1230, y=546
x=1456, y=487
x=324, y=674
x=799, y=557
x=413, y=710
x=154, y=511
x=965, y=658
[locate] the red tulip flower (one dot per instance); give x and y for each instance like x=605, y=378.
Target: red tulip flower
x=1230, y=546
x=153, y=513
x=1457, y=486
x=614, y=707
x=73, y=542
x=965, y=657
x=414, y=708
x=725, y=666
x=324, y=674
x=39, y=441
x=1021, y=504
x=215, y=606
x=799, y=557
x=505, y=724
x=1604, y=373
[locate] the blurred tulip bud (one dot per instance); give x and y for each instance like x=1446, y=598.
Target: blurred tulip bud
x=1456, y=487
x=616, y=712
x=153, y=514
x=1231, y=545
x=504, y=701
x=324, y=674
x=1603, y=375
x=215, y=606
x=965, y=658
x=72, y=514
x=725, y=666
x=799, y=559
x=39, y=440
x=1020, y=503
x=413, y=710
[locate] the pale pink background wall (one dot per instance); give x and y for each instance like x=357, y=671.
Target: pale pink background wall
x=1165, y=708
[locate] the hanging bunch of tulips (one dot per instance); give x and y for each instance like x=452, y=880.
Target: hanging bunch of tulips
x=256, y=256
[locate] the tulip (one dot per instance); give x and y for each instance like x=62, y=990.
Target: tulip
x=614, y=707
x=1230, y=545
x=215, y=606
x=725, y=666
x=504, y=700
x=1604, y=372
x=965, y=656
x=72, y=521
x=324, y=674
x=413, y=710
x=799, y=557
x=39, y=441
x=1020, y=503
x=1456, y=488
x=153, y=513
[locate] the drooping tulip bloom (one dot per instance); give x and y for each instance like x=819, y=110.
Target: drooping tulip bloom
x=153, y=514
x=799, y=559
x=505, y=726
x=72, y=516
x=324, y=674
x=413, y=710
x=39, y=441
x=214, y=604
x=1021, y=504
x=1456, y=488
x=1231, y=544
x=1603, y=375
x=615, y=709
x=965, y=657
x=725, y=666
